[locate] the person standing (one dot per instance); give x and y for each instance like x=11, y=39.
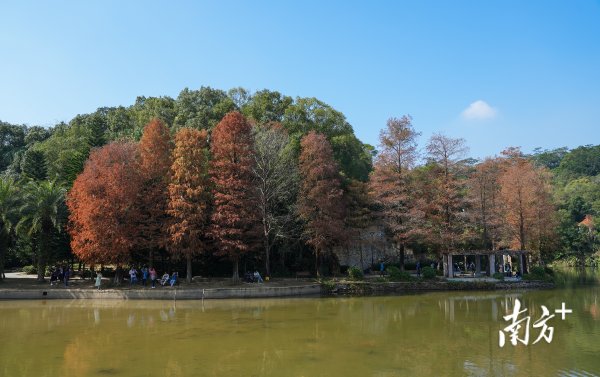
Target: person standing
x=153, y=277
x=98, y=279
x=381, y=268
x=67, y=274
x=132, y=276
x=144, y=275
x=418, y=268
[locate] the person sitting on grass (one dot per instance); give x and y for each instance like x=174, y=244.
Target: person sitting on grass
x=173, y=280
x=257, y=277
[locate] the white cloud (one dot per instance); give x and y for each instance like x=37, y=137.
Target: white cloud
x=479, y=110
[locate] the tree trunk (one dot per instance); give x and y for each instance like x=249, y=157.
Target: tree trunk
x=3, y=249
x=118, y=275
x=236, y=273
x=267, y=257
x=401, y=256
x=362, y=260
x=317, y=272
x=151, y=259
x=188, y=276
x=2, y=253
x=41, y=267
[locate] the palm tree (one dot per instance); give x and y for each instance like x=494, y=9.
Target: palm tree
x=9, y=199
x=42, y=214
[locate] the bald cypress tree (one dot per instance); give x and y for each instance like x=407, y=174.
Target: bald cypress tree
x=233, y=220
x=320, y=200
x=189, y=196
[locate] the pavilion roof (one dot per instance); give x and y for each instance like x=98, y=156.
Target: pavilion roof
x=486, y=252
x=588, y=221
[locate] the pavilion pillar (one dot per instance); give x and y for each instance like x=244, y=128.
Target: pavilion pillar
x=450, y=266
x=521, y=269
x=477, y=264
x=492, y=264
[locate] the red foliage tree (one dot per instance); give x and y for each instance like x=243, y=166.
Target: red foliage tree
x=102, y=204
x=233, y=220
x=320, y=202
x=155, y=164
x=189, y=195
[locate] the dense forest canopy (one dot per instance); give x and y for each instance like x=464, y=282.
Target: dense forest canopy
x=435, y=201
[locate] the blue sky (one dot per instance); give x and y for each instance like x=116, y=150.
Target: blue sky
x=505, y=73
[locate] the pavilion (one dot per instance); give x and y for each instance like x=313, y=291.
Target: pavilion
x=491, y=255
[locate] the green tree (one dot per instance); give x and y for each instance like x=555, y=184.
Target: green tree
x=37, y=134
x=12, y=140
x=202, y=109
x=311, y=114
x=581, y=161
x=96, y=125
x=34, y=166
x=43, y=213
x=354, y=157
x=266, y=106
x=147, y=108
x=9, y=204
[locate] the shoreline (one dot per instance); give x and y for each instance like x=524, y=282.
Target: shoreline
x=326, y=289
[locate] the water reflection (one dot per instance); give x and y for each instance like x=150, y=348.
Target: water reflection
x=444, y=333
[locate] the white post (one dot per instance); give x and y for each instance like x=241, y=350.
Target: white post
x=492, y=264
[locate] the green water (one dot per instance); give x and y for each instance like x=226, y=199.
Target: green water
x=433, y=334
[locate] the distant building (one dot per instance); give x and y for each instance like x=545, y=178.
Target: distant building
x=587, y=222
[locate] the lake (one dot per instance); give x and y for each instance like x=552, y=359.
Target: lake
x=431, y=334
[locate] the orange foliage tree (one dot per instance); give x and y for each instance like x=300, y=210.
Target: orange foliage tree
x=155, y=164
x=102, y=204
x=189, y=195
x=484, y=199
x=391, y=183
x=446, y=212
x=320, y=202
x=233, y=219
x=528, y=209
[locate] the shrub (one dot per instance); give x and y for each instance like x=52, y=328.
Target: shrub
x=354, y=273
x=29, y=270
x=537, y=273
x=328, y=284
x=498, y=275
x=428, y=272
x=396, y=274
